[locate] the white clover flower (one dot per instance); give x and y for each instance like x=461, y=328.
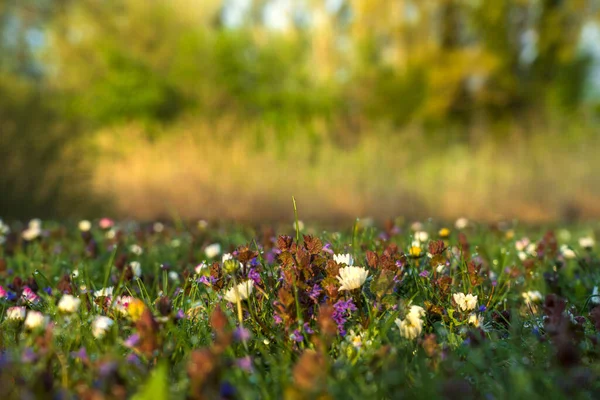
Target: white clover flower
x=110, y=234
x=352, y=277
x=16, y=313
x=476, y=320
x=587, y=242
x=532, y=249
x=567, y=252
x=84, y=225
x=100, y=326
x=136, y=249
x=465, y=302
x=226, y=257
x=421, y=236
x=522, y=255
x=104, y=292
x=440, y=268
x=68, y=304
x=158, y=227
x=35, y=223
x=343, y=259
x=174, y=276
x=532, y=296
x=412, y=325
x=461, y=223
x=33, y=230
x=35, y=319
x=212, y=250
x=522, y=244
x=415, y=313
x=240, y=292
x=136, y=268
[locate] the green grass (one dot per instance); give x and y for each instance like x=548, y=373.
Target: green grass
x=189, y=340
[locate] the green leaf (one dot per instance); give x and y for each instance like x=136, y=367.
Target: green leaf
x=156, y=387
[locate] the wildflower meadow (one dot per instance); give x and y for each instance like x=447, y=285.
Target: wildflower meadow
x=109, y=309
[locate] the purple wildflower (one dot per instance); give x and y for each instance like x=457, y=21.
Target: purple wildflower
x=48, y=290
x=132, y=341
x=424, y=274
x=133, y=359
x=314, y=293
x=244, y=363
x=277, y=319
x=341, y=308
x=107, y=368
x=254, y=275
x=307, y=328
x=241, y=334
x=327, y=248
x=3, y=293
x=204, y=279
x=482, y=308
x=80, y=354
x=296, y=336
x=254, y=262
x=28, y=355
x=227, y=390
x=180, y=314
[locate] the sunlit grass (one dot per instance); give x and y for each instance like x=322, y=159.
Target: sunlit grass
x=229, y=170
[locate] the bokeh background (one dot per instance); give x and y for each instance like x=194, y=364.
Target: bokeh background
x=226, y=108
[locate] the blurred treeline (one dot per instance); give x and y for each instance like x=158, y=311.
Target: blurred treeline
x=329, y=74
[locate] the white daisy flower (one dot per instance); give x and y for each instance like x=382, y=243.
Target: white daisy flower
x=352, y=277
x=101, y=325
x=343, y=259
x=104, y=292
x=587, y=242
x=212, y=250
x=16, y=313
x=465, y=302
x=412, y=325
x=240, y=292
x=84, y=225
x=68, y=304
x=476, y=320
x=461, y=223
x=567, y=252
x=35, y=319
x=532, y=296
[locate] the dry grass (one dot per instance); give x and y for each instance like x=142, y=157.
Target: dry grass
x=212, y=170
